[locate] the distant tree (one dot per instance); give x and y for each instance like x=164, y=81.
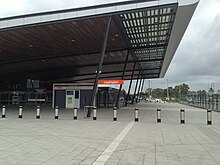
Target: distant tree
x=174, y=93
x=211, y=90
x=184, y=89
x=201, y=95
x=201, y=92
x=177, y=91
x=143, y=95
x=158, y=93
x=171, y=92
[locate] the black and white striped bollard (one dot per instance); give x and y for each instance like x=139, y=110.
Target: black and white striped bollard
x=136, y=114
x=115, y=114
x=182, y=116
x=38, y=112
x=3, y=111
x=56, y=112
x=20, y=109
x=75, y=113
x=158, y=115
x=209, y=117
x=94, y=113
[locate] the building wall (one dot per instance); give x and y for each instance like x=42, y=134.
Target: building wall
x=85, y=97
x=60, y=98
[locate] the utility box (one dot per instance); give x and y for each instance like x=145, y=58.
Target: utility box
x=70, y=95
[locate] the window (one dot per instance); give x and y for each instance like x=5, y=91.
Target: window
x=76, y=94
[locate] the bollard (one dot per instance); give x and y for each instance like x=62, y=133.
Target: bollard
x=20, y=109
x=136, y=114
x=115, y=114
x=209, y=117
x=182, y=116
x=38, y=112
x=158, y=115
x=56, y=112
x=94, y=113
x=3, y=111
x=75, y=113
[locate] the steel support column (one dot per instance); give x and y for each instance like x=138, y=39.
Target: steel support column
x=142, y=85
x=139, y=88
x=98, y=71
x=129, y=89
x=123, y=75
x=142, y=88
x=136, y=88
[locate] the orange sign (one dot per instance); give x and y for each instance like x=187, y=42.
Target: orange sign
x=111, y=81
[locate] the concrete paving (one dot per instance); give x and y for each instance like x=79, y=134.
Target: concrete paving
x=70, y=142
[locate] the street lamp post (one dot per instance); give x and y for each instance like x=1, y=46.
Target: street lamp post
x=168, y=97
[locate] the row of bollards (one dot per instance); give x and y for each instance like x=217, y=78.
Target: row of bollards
x=56, y=111
x=115, y=114
x=20, y=112
x=182, y=116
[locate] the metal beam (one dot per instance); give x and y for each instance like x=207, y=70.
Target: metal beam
x=139, y=88
x=130, y=70
x=45, y=57
x=92, y=102
x=129, y=89
x=121, y=62
x=118, y=76
x=68, y=72
x=123, y=75
x=44, y=75
x=135, y=88
x=110, y=77
x=29, y=72
x=133, y=61
x=142, y=86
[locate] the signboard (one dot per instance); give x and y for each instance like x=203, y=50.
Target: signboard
x=111, y=81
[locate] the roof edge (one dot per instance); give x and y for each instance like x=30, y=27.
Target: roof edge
x=76, y=9
x=182, y=20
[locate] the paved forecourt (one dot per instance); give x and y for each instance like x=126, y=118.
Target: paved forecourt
x=84, y=141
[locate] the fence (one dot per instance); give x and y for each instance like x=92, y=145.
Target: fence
x=25, y=98
x=208, y=101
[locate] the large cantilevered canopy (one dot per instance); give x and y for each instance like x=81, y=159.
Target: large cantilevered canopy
x=65, y=45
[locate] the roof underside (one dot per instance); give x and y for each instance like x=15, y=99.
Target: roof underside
x=69, y=50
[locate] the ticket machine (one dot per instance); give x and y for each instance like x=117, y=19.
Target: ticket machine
x=72, y=98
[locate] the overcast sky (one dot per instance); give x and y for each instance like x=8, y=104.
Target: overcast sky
x=197, y=59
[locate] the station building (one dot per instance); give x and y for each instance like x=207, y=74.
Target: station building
x=129, y=40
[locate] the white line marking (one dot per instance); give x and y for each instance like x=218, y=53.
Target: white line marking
x=103, y=158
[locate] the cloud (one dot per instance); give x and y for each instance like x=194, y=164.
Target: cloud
x=197, y=58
